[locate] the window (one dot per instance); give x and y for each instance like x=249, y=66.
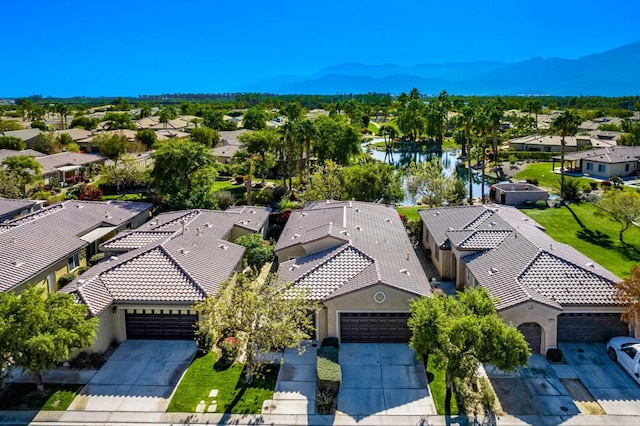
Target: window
x=73, y=262
x=630, y=351
x=589, y=166
x=626, y=167
x=602, y=167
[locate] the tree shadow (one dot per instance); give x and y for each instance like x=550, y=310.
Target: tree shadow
x=595, y=237
x=575, y=216
x=629, y=251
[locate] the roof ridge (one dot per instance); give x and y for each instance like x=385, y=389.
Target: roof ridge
x=183, y=270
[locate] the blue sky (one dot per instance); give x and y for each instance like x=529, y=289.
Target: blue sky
x=124, y=47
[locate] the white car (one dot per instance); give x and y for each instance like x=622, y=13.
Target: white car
x=626, y=350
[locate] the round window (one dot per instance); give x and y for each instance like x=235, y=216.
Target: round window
x=379, y=297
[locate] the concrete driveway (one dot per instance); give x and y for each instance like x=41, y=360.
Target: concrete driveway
x=139, y=376
x=611, y=387
x=384, y=378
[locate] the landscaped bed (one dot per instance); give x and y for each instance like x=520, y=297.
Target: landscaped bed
x=438, y=388
x=25, y=396
x=234, y=395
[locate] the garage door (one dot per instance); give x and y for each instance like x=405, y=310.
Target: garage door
x=532, y=333
x=585, y=328
x=161, y=324
x=374, y=327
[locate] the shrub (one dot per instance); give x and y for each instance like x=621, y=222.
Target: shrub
x=65, y=279
x=86, y=360
x=39, y=125
x=258, y=251
x=330, y=341
x=225, y=199
x=605, y=183
x=329, y=352
x=325, y=403
x=229, y=347
x=593, y=185
x=328, y=373
x=96, y=258
x=263, y=197
x=83, y=269
x=41, y=195
x=279, y=192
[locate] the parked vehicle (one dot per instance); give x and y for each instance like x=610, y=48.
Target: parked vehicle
x=626, y=351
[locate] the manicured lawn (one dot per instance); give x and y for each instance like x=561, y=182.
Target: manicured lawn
x=438, y=390
x=411, y=212
x=124, y=197
x=594, y=236
x=546, y=177
x=25, y=396
x=234, y=396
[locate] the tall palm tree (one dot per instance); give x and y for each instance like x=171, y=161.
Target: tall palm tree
x=307, y=131
x=288, y=131
x=468, y=114
x=566, y=124
x=482, y=123
x=495, y=111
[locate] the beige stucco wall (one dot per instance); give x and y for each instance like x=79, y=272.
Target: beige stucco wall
x=543, y=315
x=290, y=253
x=517, y=198
x=443, y=262
x=611, y=169
x=59, y=269
x=359, y=301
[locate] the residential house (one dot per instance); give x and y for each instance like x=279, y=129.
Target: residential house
x=28, y=136
x=10, y=208
x=517, y=194
x=229, y=144
x=6, y=153
x=40, y=247
x=356, y=260
x=65, y=165
x=553, y=143
x=549, y=290
x=621, y=161
x=152, y=276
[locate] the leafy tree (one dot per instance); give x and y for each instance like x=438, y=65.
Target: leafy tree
x=325, y=183
x=38, y=330
x=205, y=136
x=622, y=207
x=372, y=181
x=64, y=139
x=167, y=114
x=482, y=124
x=24, y=166
x=263, y=313
x=47, y=143
x=567, y=125
x=112, y=145
x=255, y=119
x=72, y=147
x=39, y=125
x=436, y=116
x=184, y=172
x=288, y=151
x=463, y=331
x=9, y=125
x=258, y=251
x=336, y=140
x=495, y=111
x=213, y=119
x=128, y=173
x=411, y=115
x=118, y=121
x=121, y=104
x=292, y=110
x=147, y=137
x=11, y=142
x=628, y=295
x=429, y=182
x=84, y=122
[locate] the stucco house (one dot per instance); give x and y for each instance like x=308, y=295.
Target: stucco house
x=516, y=194
x=152, y=276
x=549, y=290
x=621, y=161
x=553, y=143
x=40, y=247
x=64, y=165
x=357, y=261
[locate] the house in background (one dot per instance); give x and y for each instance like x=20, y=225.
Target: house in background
x=40, y=247
x=553, y=143
x=549, y=290
x=517, y=194
x=66, y=164
x=229, y=144
x=621, y=161
x=28, y=136
x=357, y=261
x=10, y=208
x=152, y=276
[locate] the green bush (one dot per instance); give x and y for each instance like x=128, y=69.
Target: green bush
x=330, y=341
x=225, y=199
x=83, y=269
x=264, y=197
x=65, y=279
x=96, y=258
x=328, y=371
x=258, y=251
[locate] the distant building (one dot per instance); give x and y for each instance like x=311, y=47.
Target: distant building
x=517, y=194
x=621, y=161
x=553, y=143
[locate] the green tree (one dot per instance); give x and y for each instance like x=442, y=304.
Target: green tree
x=147, y=137
x=84, y=122
x=205, y=136
x=463, y=331
x=184, y=172
x=129, y=173
x=429, y=182
x=411, y=115
x=325, y=183
x=9, y=125
x=11, y=185
x=336, y=140
x=213, y=119
x=167, y=114
x=258, y=251
x=63, y=111
x=307, y=131
x=38, y=330
x=64, y=139
x=495, y=111
x=467, y=116
x=482, y=124
x=11, y=142
x=372, y=181
x=24, y=166
x=263, y=313
x=292, y=110
x=622, y=207
x=255, y=119
x=628, y=295
x=112, y=145
x=118, y=121
x=566, y=124
x=47, y=143
x=436, y=116
x=260, y=147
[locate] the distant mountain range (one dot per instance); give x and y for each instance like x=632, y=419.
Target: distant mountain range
x=612, y=73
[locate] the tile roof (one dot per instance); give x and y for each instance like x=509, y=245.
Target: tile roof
x=374, y=230
x=618, y=154
x=34, y=242
x=179, y=257
x=518, y=261
x=10, y=206
x=50, y=163
x=7, y=153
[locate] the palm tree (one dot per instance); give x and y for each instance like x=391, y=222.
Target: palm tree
x=468, y=114
x=495, y=111
x=288, y=131
x=63, y=110
x=306, y=130
x=482, y=123
x=567, y=125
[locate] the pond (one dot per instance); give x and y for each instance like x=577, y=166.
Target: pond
x=449, y=159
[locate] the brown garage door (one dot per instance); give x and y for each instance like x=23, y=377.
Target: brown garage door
x=585, y=328
x=166, y=326
x=374, y=327
x=532, y=333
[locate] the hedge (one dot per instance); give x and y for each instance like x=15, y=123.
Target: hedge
x=527, y=155
x=328, y=371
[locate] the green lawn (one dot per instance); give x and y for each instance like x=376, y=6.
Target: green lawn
x=25, y=396
x=410, y=212
x=438, y=390
x=234, y=396
x=594, y=236
x=546, y=177
x=124, y=197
